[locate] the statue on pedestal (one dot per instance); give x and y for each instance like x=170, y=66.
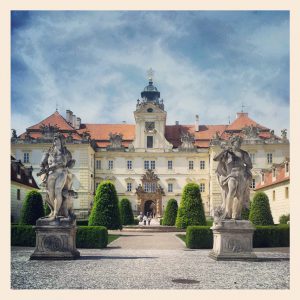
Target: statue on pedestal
x=55, y=171
x=233, y=236
x=234, y=177
x=56, y=233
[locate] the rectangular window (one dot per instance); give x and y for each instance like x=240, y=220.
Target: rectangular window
x=26, y=157
x=146, y=165
x=202, y=164
x=286, y=192
x=191, y=165
x=98, y=164
x=152, y=164
x=270, y=158
x=110, y=164
x=170, y=187
x=149, y=141
x=18, y=194
x=253, y=184
x=170, y=164
x=202, y=187
x=274, y=195
x=129, y=164
x=252, y=156
x=129, y=186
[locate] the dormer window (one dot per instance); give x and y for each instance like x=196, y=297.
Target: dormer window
x=287, y=167
x=274, y=172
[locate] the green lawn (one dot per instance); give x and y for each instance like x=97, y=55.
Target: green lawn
x=181, y=236
x=112, y=237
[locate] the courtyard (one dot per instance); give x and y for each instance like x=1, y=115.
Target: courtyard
x=145, y=260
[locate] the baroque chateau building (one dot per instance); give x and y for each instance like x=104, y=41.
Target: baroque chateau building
x=149, y=162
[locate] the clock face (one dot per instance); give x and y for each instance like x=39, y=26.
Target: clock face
x=149, y=126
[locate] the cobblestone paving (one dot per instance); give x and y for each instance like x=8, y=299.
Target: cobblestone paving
x=118, y=268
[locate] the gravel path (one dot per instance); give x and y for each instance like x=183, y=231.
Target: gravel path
x=147, y=241
x=145, y=261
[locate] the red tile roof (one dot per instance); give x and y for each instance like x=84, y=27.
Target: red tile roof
x=54, y=119
x=242, y=121
x=281, y=176
x=20, y=174
x=100, y=132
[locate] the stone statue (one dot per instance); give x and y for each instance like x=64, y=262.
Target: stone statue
x=234, y=177
x=55, y=172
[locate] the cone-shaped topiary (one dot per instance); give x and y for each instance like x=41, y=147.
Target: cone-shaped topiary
x=170, y=214
x=260, y=212
x=32, y=209
x=190, y=211
x=105, y=211
x=126, y=213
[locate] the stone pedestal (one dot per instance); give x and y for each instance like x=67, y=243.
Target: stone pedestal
x=55, y=239
x=233, y=240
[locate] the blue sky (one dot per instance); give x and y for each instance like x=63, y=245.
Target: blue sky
x=206, y=62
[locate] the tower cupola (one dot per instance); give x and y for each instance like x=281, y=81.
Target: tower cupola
x=150, y=92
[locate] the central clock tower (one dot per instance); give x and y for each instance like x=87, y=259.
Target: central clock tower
x=150, y=118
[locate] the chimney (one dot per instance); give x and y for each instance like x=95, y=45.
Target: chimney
x=74, y=121
x=176, y=122
x=78, y=123
x=241, y=114
x=69, y=116
x=197, y=123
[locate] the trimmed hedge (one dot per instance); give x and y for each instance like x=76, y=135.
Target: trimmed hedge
x=284, y=219
x=271, y=236
x=260, y=212
x=170, y=214
x=126, y=213
x=91, y=237
x=201, y=237
x=22, y=235
x=82, y=222
x=33, y=208
x=105, y=211
x=86, y=237
x=191, y=210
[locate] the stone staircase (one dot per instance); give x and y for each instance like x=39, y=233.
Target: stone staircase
x=153, y=227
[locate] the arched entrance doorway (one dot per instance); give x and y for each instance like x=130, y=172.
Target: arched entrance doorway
x=149, y=208
x=150, y=194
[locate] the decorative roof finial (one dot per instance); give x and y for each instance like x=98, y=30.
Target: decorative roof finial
x=150, y=73
x=243, y=106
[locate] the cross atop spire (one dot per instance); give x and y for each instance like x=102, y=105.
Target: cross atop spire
x=150, y=74
x=243, y=106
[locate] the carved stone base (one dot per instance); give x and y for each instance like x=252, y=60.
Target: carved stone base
x=233, y=240
x=55, y=239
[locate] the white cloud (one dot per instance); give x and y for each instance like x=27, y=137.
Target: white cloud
x=97, y=69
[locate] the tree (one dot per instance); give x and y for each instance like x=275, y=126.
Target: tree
x=32, y=209
x=170, y=214
x=126, y=213
x=260, y=212
x=191, y=210
x=105, y=211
